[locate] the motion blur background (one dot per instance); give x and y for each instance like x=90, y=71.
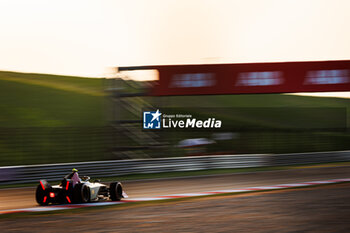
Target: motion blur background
x=54, y=118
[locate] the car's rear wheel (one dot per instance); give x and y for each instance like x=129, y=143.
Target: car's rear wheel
x=42, y=193
x=116, y=191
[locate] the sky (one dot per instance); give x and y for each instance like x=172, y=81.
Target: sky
x=84, y=37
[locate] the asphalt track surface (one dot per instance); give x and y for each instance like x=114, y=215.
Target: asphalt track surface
x=16, y=198
x=317, y=209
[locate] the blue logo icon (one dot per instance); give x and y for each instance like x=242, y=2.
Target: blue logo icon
x=151, y=120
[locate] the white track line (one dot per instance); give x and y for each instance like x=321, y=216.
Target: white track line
x=173, y=196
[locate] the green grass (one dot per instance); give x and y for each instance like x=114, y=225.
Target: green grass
x=50, y=101
x=258, y=101
x=50, y=119
x=87, y=86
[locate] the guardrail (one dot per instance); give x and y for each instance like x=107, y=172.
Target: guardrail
x=307, y=158
x=33, y=173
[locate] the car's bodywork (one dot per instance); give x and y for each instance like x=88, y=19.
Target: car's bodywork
x=83, y=192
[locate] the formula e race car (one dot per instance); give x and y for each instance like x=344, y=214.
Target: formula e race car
x=82, y=192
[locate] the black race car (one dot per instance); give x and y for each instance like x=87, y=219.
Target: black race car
x=83, y=192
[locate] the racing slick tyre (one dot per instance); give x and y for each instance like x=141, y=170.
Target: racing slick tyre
x=81, y=193
x=116, y=191
x=42, y=193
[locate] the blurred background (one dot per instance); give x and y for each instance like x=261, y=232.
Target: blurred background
x=71, y=116
x=54, y=119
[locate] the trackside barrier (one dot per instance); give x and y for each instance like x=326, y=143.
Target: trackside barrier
x=307, y=158
x=33, y=173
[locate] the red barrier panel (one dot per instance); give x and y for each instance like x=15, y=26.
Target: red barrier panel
x=282, y=77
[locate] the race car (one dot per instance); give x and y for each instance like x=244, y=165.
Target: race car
x=83, y=192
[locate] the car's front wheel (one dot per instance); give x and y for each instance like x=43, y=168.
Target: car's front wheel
x=116, y=191
x=81, y=193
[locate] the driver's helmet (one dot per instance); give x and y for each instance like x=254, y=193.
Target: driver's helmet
x=74, y=170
